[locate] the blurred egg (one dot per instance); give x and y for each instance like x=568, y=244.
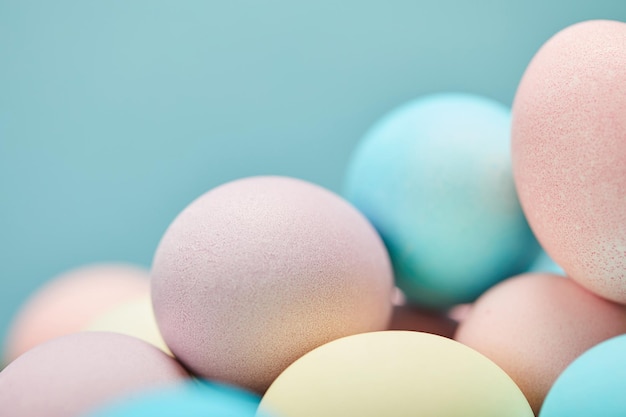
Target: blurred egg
x=460, y=312
x=257, y=272
x=544, y=263
x=434, y=177
x=202, y=399
x=406, y=317
x=68, y=302
x=397, y=297
x=394, y=374
x=534, y=325
x=569, y=152
x=133, y=318
x=593, y=385
x=74, y=374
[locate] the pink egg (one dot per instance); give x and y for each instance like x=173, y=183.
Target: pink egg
x=70, y=301
x=460, y=312
x=569, y=152
x=72, y=375
x=534, y=325
x=257, y=272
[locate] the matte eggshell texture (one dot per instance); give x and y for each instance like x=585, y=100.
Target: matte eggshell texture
x=534, y=325
x=68, y=302
x=259, y=271
x=394, y=374
x=569, y=152
x=593, y=385
x=133, y=318
x=434, y=177
x=74, y=374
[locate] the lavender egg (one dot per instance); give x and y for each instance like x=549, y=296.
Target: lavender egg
x=75, y=374
x=257, y=272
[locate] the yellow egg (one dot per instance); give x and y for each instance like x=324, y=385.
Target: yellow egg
x=394, y=374
x=134, y=318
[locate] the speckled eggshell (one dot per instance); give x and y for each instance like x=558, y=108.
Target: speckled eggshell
x=259, y=271
x=569, y=152
x=68, y=302
x=534, y=325
x=74, y=374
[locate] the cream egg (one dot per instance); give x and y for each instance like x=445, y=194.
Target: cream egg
x=394, y=374
x=133, y=318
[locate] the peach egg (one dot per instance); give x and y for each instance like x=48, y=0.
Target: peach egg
x=569, y=152
x=70, y=301
x=534, y=325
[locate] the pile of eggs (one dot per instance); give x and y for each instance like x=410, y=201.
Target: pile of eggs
x=425, y=292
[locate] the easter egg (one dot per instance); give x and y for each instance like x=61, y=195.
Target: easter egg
x=394, y=374
x=69, y=301
x=534, y=325
x=257, y=272
x=202, y=399
x=75, y=374
x=569, y=152
x=434, y=177
x=592, y=385
x=133, y=318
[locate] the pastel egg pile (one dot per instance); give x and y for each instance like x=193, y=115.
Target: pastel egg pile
x=429, y=290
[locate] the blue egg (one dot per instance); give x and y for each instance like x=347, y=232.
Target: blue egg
x=592, y=385
x=544, y=263
x=434, y=177
x=194, y=399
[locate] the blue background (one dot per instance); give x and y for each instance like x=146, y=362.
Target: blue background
x=115, y=114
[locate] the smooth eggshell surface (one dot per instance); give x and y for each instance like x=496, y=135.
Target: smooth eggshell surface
x=197, y=399
x=434, y=177
x=74, y=374
x=394, y=374
x=259, y=271
x=534, y=325
x=569, y=152
x=133, y=318
x=68, y=302
x=593, y=385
